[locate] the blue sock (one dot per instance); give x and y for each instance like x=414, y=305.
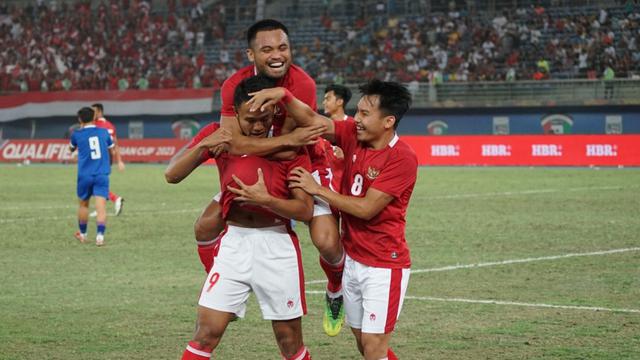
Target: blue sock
x=82, y=227
x=101, y=227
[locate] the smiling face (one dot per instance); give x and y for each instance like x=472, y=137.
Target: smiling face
x=371, y=123
x=254, y=123
x=271, y=54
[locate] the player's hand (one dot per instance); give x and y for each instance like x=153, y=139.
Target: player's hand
x=121, y=165
x=338, y=153
x=308, y=135
x=218, y=137
x=300, y=178
x=265, y=98
x=256, y=194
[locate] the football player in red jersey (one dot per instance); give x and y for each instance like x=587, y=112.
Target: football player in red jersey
x=258, y=251
x=336, y=98
x=270, y=53
x=102, y=122
x=379, y=177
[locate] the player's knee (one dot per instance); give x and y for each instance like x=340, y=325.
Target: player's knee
x=372, y=348
x=207, y=336
x=207, y=228
x=327, y=242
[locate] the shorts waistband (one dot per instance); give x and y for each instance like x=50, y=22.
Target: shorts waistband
x=278, y=229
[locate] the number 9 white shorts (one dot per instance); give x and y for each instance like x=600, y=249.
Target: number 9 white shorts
x=266, y=261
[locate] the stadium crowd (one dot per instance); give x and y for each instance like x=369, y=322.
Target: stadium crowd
x=526, y=44
x=120, y=45
x=124, y=45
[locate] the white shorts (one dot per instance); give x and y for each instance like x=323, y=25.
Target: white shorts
x=373, y=296
x=320, y=206
x=266, y=261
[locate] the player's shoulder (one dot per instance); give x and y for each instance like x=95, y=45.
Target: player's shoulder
x=403, y=150
x=299, y=78
x=235, y=78
x=211, y=127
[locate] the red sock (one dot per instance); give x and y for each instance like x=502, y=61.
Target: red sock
x=302, y=354
x=112, y=196
x=206, y=252
x=334, y=274
x=196, y=352
x=391, y=355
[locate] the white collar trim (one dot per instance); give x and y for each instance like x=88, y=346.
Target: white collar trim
x=394, y=141
x=88, y=126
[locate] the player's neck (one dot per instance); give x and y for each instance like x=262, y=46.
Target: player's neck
x=383, y=141
x=338, y=115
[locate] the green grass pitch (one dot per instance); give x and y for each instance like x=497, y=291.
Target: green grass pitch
x=543, y=287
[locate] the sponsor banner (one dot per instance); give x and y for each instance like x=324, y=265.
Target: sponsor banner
x=117, y=103
x=513, y=150
x=150, y=150
x=528, y=150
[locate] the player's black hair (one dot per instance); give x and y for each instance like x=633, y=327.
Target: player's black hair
x=264, y=25
x=98, y=106
x=395, y=99
x=341, y=92
x=250, y=85
x=85, y=115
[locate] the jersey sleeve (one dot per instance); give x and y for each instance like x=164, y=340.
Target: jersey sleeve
x=399, y=174
x=226, y=95
x=303, y=160
x=109, y=139
x=73, y=143
x=306, y=92
x=345, y=133
x=203, y=133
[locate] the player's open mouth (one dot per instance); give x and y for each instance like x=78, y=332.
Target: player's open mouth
x=276, y=65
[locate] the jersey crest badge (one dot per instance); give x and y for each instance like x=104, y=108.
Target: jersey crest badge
x=353, y=159
x=372, y=173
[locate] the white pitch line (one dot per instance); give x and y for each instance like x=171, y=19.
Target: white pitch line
x=515, y=193
x=515, y=303
x=512, y=303
x=507, y=262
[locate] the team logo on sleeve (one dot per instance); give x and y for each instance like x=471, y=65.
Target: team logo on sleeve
x=372, y=173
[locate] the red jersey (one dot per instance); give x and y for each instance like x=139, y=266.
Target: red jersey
x=106, y=124
x=203, y=133
x=337, y=165
x=379, y=242
x=245, y=167
x=301, y=85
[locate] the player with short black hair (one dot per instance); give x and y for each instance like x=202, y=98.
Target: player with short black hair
x=95, y=151
x=258, y=251
x=269, y=51
x=376, y=188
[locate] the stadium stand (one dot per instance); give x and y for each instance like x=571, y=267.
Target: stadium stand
x=50, y=46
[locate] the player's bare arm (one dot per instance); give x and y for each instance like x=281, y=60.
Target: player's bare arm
x=299, y=207
x=245, y=145
x=187, y=160
x=116, y=155
x=366, y=207
x=303, y=115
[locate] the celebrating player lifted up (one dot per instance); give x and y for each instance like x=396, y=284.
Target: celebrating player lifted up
x=270, y=52
x=258, y=251
x=377, y=184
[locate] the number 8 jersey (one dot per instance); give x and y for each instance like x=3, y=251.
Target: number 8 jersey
x=93, y=146
x=379, y=242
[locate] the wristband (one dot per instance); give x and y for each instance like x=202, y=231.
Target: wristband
x=288, y=96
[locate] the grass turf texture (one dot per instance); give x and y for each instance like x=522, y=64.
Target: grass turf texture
x=136, y=297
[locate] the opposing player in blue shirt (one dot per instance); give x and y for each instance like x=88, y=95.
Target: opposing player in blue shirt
x=95, y=151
